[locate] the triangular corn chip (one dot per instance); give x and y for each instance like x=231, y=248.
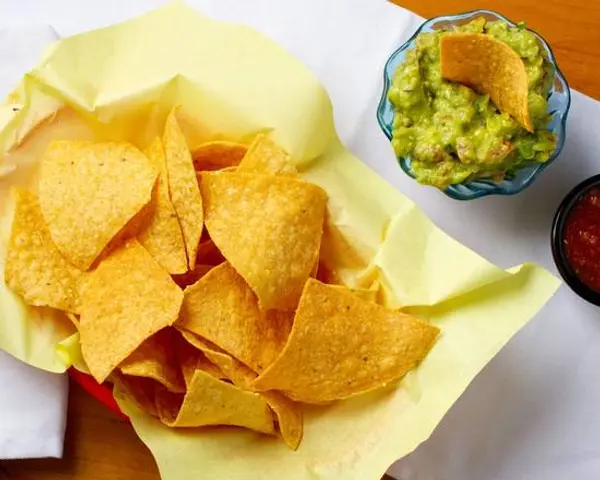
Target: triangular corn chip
x=342, y=345
x=269, y=228
x=192, y=359
x=89, y=192
x=221, y=308
x=265, y=156
x=492, y=66
x=162, y=235
x=183, y=186
x=210, y=401
x=289, y=417
x=233, y=369
x=156, y=359
x=126, y=300
x=35, y=269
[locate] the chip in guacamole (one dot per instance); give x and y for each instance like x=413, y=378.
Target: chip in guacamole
x=454, y=132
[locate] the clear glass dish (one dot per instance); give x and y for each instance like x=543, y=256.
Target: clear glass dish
x=559, y=101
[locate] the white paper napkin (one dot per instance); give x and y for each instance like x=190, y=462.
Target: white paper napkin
x=32, y=410
x=532, y=413
x=32, y=403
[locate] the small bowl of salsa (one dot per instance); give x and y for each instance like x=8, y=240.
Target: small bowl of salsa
x=576, y=239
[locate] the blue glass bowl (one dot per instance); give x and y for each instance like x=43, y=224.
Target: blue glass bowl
x=559, y=101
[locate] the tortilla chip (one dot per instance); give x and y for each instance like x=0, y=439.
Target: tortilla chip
x=89, y=192
x=221, y=308
x=210, y=401
x=266, y=223
x=192, y=359
x=162, y=236
x=289, y=418
x=232, y=369
x=218, y=154
x=490, y=65
x=315, y=269
x=183, y=186
x=140, y=390
x=265, y=156
x=126, y=300
x=155, y=359
x=288, y=413
x=193, y=276
x=35, y=270
x=341, y=345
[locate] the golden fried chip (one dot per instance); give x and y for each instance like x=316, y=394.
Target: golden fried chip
x=289, y=418
x=198, y=361
x=155, y=359
x=210, y=401
x=232, y=369
x=89, y=192
x=192, y=359
x=192, y=276
x=269, y=228
x=288, y=413
x=35, y=269
x=140, y=390
x=490, y=65
x=265, y=156
x=218, y=154
x=126, y=300
x=183, y=186
x=162, y=235
x=315, y=270
x=341, y=345
x=221, y=308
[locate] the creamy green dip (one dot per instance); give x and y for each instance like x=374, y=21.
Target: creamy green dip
x=453, y=134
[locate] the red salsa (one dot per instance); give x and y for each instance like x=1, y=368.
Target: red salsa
x=582, y=238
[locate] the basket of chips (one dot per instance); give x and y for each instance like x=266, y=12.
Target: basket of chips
x=205, y=249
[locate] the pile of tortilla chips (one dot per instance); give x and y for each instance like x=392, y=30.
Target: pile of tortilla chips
x=198, y=281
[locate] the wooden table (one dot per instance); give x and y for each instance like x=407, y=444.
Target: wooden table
x=572, y=27
x=101, y=446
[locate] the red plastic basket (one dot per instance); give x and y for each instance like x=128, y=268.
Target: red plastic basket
x=102, y=392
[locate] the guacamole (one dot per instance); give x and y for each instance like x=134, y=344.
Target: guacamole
x=454, y=134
